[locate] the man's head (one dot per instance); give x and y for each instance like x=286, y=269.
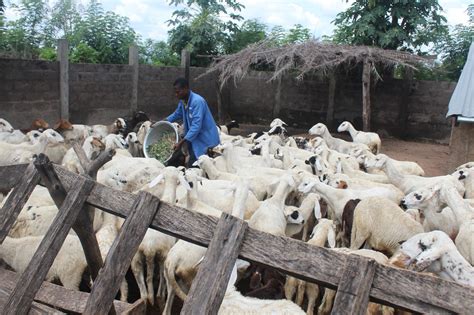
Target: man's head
x=181, y=88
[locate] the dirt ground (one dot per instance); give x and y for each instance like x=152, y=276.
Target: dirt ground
x=432, y=157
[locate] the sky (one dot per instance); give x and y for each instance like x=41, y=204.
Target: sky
x=148, y=17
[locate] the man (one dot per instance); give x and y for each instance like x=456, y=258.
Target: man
x=200, y=131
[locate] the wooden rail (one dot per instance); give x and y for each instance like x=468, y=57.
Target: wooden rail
x=358, y=279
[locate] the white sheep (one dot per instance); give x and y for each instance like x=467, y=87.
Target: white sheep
x=14, y=137
x=23, y=152
x=133, y=145
x=72, y=133
x=270, y=216
x=69, y=265
x=436, y=216
x=466, y=176
x=235, y=303
x=370, y=139
x=103, y=131
x=435, y=252
x=381, y=224
x=404, y=167
x=5, y=126
x=92, y=147
x=339, y=145
x=409, y=183
x=324, y=231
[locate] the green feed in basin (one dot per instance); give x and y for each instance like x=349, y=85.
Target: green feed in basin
x=162, y=149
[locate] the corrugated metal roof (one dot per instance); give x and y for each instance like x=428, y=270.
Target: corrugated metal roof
x=462, y=100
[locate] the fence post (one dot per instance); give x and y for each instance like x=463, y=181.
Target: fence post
x=133, y=61
x=186, y=62
x=63, y=58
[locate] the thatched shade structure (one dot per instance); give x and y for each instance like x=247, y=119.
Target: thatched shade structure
x=313, y=57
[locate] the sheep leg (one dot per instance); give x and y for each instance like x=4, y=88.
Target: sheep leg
x=312, y=292
x=290, y=288
x=358, y=237
x=170, y=297
x=300, y=292
x=124, y=291
x=326, y=304
x=161, y=285
x=72, y=280
x=150, y=272
x=137, y=269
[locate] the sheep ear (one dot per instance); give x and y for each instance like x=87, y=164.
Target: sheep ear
x=156, y=181
x=197, y=163
x=184, y=182
x=331, y=238
x=317, y=210
x=318, y=165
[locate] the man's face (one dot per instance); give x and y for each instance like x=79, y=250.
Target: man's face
x=181, y=92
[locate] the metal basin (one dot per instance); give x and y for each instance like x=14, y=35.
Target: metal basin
x=156, y=132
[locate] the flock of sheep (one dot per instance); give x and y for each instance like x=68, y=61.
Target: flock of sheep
x=322, y=190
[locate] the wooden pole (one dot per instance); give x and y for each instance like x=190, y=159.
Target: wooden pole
x=133, y=61
x=331, y=97
x=366, y=111
x=221, y=112
x=277, y=103
x=186, y=62
x=63, y=58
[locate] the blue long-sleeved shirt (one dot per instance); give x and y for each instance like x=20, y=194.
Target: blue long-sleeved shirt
x=199, y=125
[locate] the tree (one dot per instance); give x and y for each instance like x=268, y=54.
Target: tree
x=297, y=34
x=454, y=48
x=251, y=31
x=157, y=53
x=391, y=24
x=65, y=21
x=200, y=28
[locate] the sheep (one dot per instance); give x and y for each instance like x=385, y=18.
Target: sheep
x=333, y=157
x=339, y=145
x=225, y=129
x=102, y=131
x=105, y=238
x=234, y=303
x=435, y=252
x=409, y=183
x=278, y=122
x=370, y=139
x=24, y=152
x=329, y=295
x=72, y=133
x=404, y=167
x=466, y=176
x=323, y=232
x=69, y=265
x=337, y=198
x=184, y=257
x=269, y=217
x=92, y=147
x=436, y=217
x=142, y=132
x=34, y=221
x=382, y=224
x=309, y=205
x=5, y=126
x=133, y=144
x=154, y=243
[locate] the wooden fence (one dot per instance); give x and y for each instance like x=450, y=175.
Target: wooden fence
x=357, y=279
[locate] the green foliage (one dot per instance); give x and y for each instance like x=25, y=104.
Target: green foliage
x=454, y=47
x=158, y=53
x=251, y=31
x=199, y=27
x=48, y=53
x=84, y=53
x=391, y=24
x=297, y=34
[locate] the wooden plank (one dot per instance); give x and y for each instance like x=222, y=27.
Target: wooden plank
x=84, y=222
x=17, y=200
x=81, y=155
x=121, y=253
x=352, y=296
x=31, y=279
x=58, y=297
x=209, y=286
x=391, y=286
x=104, y=157
x=366, y=110
x=36, y=308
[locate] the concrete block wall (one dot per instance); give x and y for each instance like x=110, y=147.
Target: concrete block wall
x=29, y=89
x=100, y=93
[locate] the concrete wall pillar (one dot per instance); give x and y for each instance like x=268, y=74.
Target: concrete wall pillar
x=186, y=62
x=63, y=58
x=133, y=61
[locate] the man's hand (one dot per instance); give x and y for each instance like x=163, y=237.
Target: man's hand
x=178, y=145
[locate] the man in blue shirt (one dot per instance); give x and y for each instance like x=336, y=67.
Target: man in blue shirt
x=200, y=131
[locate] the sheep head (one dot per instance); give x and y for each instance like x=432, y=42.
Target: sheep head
x=318, y=129
x=343, y=127
x=5, y=126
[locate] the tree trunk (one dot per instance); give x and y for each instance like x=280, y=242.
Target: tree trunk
x=366, y=110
